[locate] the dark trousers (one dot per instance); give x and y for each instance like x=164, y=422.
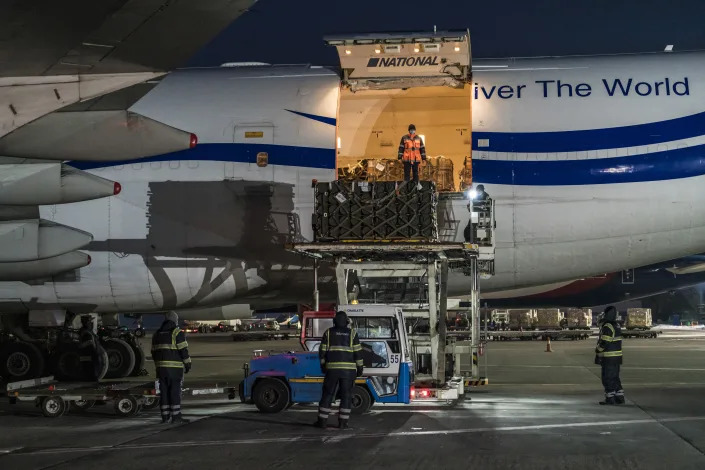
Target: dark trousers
x=610, y=377
x=411, y=167
x=342, y=381
x=170, y=394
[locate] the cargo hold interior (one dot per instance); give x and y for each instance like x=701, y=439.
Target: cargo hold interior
x=372, y=122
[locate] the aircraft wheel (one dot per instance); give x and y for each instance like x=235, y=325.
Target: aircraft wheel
x=140, y=358
x=21, y=361
x=121, y=358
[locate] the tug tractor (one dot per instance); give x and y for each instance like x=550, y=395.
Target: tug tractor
x=276, y=382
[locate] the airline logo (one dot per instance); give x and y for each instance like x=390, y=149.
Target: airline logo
x=419, y=61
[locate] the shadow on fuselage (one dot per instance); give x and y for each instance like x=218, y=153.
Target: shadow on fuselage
x=226, y=227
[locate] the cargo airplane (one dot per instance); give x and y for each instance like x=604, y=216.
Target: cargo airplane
x=595, y=163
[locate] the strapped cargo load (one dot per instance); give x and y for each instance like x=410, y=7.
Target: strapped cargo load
x=638, y=318
x=549, y=318
x=579, y=318
x=520, y=318
x=381, y=211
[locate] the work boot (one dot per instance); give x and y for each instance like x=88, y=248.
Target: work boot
x=321, y=423
x=343, y=425
x=609, y=401
x=619, y=399
x=180, y=420
x=166, y=420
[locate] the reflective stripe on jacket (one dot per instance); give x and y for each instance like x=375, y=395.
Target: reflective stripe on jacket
x=340, y=349
x=609, y=343
x=169, y=347
x=412, y=149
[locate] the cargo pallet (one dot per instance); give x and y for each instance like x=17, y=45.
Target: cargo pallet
x=55, y=398
x=640, y=333
x=539, y=335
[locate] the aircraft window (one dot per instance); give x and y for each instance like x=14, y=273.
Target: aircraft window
x=156, y=165
x=119, y=167
x=192, y=164
x=174, y=164
x=375, y=354
x=137, y=166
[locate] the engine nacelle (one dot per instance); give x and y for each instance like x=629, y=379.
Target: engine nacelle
x=29, y=240
x=50, y=183
x=37, y=269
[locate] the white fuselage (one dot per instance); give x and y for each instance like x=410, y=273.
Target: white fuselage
x=589, y=177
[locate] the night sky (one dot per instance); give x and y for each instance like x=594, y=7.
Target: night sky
x=290, y=31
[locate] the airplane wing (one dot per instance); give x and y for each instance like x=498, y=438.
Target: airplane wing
x=49, y=37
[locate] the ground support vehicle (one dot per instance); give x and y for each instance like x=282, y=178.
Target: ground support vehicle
x=54, y=398
x=397, y=250
x=275, y=382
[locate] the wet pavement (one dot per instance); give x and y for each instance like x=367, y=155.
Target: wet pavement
x=540, y=411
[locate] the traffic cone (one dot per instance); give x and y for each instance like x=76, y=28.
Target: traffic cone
x=548, y=344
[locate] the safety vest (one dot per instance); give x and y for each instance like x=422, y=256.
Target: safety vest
x=412, y=148
x=169, y=347
x=340, y=349
x=610, y=342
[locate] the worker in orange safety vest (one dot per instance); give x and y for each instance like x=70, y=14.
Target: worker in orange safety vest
x=412, y=152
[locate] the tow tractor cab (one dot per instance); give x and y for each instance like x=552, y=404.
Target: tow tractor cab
x=275, y=382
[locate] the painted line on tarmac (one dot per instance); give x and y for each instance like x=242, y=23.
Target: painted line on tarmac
x=687, y=369
x=327, y=437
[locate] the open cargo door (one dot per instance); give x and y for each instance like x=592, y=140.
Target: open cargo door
x=382, y=61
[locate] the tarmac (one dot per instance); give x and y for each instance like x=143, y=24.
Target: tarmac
x=539, y=411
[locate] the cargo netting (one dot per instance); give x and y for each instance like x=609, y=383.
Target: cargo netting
x=375, y=211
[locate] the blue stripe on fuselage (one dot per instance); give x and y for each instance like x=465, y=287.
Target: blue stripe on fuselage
x=315, y=117
x=284, y=155
x=593, y=139
x=657, y=166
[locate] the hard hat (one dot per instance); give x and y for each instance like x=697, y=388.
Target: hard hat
x=412, y=127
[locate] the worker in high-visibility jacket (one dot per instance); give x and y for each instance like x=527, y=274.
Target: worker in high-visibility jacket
x=340, y=354
x=412, y=152
x=171, y=358
x=608, y=354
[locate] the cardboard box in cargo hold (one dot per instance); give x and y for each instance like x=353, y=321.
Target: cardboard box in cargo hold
x=638, y=318
x=579, y=317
